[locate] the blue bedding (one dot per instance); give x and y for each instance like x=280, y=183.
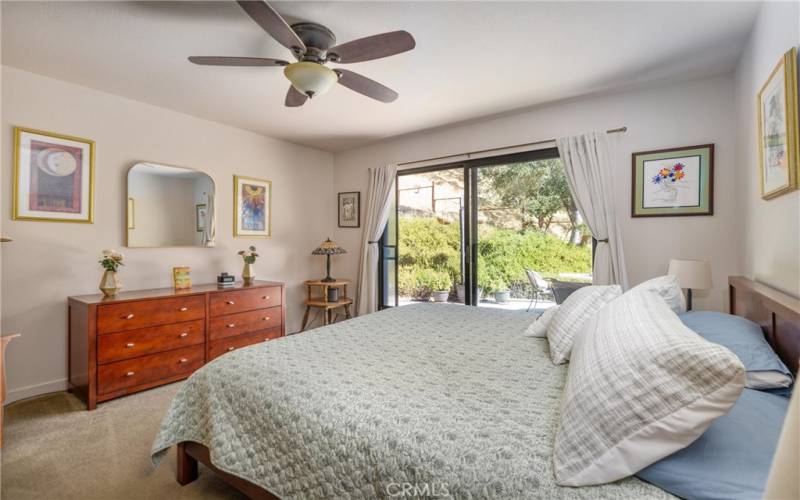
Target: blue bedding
x=765, y=370
x=731, y=460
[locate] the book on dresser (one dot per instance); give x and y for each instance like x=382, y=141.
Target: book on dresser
x=142, y=339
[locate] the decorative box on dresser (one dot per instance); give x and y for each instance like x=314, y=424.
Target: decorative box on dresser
x=142, y=339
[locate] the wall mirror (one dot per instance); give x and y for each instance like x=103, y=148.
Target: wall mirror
x=169, y=207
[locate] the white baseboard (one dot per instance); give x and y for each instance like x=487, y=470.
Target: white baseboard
x=36, y=390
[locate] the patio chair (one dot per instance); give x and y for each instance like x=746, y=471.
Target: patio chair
x=541, y=288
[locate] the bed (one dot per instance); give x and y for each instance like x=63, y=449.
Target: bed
x=426, y=400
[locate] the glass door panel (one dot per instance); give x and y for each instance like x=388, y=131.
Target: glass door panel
x=431, y=228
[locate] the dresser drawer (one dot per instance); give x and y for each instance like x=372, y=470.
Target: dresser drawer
x=237, y=324
x=144, y=313
x=126, y=345
x=244, y=300
x=219, y=347
x=132, y=372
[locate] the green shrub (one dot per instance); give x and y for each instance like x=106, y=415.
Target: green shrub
x=420, y=282
x=430, y=250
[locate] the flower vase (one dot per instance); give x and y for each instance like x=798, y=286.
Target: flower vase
x=248, y=273
x=109, y=284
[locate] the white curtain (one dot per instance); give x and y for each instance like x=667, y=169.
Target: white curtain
x=590, y=174
x=379, y=192
x=210, y=227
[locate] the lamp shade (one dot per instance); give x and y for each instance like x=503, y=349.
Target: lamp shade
x=310, y=78
x=328, y=247
x=691, y=273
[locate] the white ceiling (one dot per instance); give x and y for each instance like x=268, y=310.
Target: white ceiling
x=472, y=58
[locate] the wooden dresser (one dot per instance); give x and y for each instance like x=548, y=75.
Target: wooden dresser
x=142, y=339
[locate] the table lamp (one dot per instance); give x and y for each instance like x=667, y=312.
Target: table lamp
x=328, y=248
x=691, y=274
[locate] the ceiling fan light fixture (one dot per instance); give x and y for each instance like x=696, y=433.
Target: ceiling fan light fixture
x=310, y=78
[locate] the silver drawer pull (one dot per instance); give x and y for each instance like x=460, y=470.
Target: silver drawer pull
x=231, y=325
x=265, y=318
x=130, y=374
x=183, y=360
x=184, y=334
x=265, y=297
x=231, y=348
x=184, y=309
x=230, y=302
x=130, y=316
x=129, y=345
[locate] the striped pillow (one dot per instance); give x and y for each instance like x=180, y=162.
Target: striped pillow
x=572, y=315
x=641, y=386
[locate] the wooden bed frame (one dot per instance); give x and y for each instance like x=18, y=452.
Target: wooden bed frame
x=776, y=312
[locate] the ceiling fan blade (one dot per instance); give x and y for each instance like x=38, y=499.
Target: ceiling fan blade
x=365, y=86
x=236, y=61
x=372, y=47
x=295, y=98
x=272, y=22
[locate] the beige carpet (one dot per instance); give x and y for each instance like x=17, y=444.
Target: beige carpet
x=55, y=449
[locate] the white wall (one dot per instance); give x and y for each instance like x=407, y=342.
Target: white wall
x=683, y=114
x=770, y=229
x=47, y=261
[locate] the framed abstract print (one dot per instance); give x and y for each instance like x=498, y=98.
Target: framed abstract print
x=252, y=212
x=200, y=212
x=53, y=177
x=672, y=182
x=350, y=209
x=778, y=140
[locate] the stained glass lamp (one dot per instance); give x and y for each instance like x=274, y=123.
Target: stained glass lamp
x=328, y=248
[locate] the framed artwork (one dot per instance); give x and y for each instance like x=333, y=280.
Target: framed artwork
x=200, y=217
x=252, y=207
x=778, y=139
x=53, y=177
x=181, y=276
x=131, y=213
x=350, y=209
x=672, y=182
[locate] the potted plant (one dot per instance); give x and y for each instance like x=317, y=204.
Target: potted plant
x=440, y=286
x=110, y=261
x=501, y=292
x=249, y=257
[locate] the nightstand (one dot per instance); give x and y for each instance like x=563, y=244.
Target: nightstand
x=321, y=301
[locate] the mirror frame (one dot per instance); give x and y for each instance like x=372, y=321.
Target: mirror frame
x=127, y=197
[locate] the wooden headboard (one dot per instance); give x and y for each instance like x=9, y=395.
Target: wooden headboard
x=776, y=312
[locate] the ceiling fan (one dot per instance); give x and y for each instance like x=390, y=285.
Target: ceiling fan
x=313, y=45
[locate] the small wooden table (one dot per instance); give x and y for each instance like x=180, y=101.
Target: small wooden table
x=321, y=302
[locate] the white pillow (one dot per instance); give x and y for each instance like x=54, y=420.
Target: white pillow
x=573, y=314
x=539, y=327
x=667, y=288
x=640, y=387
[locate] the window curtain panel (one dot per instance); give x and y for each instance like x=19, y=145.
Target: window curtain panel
x=210, y=228
x=381, y=184
x=588, y=164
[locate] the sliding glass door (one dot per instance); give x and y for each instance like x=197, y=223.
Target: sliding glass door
x=495, y=232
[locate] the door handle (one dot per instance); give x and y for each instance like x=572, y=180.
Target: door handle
x=231, y=348
x=183, y=360
x=184, y=334
x=230, y=302
x=130, y=316
x=184, y=308
x=231, y=325
x=130, y=374
x=129, y=345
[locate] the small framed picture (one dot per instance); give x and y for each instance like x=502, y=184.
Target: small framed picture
x=53, y=177
x=252, y=212
x=182, y=278
x=778, y=135
x=200, y=217
x=350, y=209
x=673, y=182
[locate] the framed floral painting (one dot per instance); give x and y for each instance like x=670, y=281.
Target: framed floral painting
x=672, y=182
x=350, y=209
x=778, y=135
x=53, y=177
x=252, y=207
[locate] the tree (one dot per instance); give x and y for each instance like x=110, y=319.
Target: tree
x=538, y=188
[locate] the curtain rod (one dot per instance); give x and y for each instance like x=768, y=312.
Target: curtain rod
x=618, y=130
